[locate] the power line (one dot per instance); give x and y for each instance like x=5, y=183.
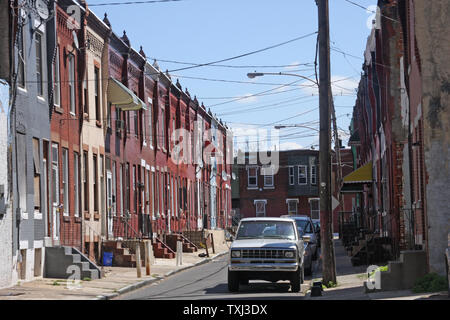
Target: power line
x=131, y=2
x=247, y=54
x=235, y=66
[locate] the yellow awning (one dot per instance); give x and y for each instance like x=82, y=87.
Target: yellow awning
x=360, y=175
x=122, y=97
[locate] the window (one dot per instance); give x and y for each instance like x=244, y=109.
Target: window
x=260, y=206
x=121, y=189
x=56, y=82
x=163, y=128
x=37, y=176
x=313, y=175
x=39, y=61
x=302, y=177
x=147, y=193
x=71, y=83
x=94, y=182
x=55, y=174
x=291, y=176
x=143, y=127
x=85, y=93
x=252, y=177
x=76, y=183
x=108, y=116
x=102, y=183
x=96, y=94
x=86, y=181
x=315, y=208
x=65, y=180
x=134, y=189
x=292, y=206
x=150, y=124
x=114, y=189
x=128, y=122
x=22, y=61
x=127, y=188
x=153, y=195
x=136, y=119
x=268, y=177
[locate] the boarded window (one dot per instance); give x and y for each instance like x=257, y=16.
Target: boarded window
x=292, y=206
x=313, y=175
x=315, y=208
x=291, y=176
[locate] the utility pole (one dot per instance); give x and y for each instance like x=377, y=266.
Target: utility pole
x=328, y=260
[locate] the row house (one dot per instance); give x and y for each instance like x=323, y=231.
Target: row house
x=293, y=189
x=400, y=131
x=93, y=143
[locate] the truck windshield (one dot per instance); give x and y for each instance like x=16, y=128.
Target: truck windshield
x=265, y=230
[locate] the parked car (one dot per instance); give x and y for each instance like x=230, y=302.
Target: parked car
x=266, y=249
x=307, y=225
x=316, y=223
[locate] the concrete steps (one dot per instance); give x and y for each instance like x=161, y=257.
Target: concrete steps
x=68, y=262
x=162, y=250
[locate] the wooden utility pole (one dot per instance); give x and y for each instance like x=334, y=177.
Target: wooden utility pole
x=328, y=260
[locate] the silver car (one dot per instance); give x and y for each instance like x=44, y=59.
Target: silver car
x=307, y=228
x=266, y=249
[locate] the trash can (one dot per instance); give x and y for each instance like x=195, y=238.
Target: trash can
x=107, y=259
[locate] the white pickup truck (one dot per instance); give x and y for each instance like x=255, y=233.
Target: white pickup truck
x=266, y=249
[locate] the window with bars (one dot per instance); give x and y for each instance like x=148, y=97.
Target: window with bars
x=260, y=206
x=302, y=175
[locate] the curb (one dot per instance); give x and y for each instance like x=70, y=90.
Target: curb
x=140, y=284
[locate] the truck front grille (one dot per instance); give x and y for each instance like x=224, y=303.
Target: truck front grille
x=262, y=254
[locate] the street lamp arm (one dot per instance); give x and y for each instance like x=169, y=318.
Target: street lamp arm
x=295, y=126
x=252, y=75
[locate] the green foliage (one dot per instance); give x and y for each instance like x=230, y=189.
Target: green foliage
x=87, y=279
x=330, y=284
x=431, y=282
x=381, y=269
x=56, y=283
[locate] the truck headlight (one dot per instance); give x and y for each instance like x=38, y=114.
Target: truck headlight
x=235, y=254
x=289, y=254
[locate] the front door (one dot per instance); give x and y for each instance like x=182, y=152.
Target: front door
x=55, y=181
x=109, y=202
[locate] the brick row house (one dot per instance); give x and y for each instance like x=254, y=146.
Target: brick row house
x=94, y=142
x=400, y=132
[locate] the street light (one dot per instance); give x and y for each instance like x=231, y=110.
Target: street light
x=295, y=126
x=255, y=74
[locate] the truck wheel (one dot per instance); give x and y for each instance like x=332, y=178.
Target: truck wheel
x=233, y=281
x=302, y=275
x=296, y=280
x=243, y=281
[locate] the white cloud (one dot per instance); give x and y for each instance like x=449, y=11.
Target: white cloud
x=290, y=146
x=249, y=98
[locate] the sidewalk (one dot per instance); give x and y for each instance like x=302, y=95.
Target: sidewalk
x=350, y=283
x=116, y=281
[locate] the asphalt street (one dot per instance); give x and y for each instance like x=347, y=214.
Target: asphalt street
x=209, y=281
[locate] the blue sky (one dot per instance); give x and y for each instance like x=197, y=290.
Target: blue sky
x=200, y=31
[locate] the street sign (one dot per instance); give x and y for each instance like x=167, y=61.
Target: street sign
x=334, y=202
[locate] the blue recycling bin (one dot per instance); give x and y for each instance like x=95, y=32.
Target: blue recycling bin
x=107, y=259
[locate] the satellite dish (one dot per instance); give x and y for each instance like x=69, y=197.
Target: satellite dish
x=233, y=176
x=198, y=175
x=42, y=9
x=75, y=40
x=224, y=176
